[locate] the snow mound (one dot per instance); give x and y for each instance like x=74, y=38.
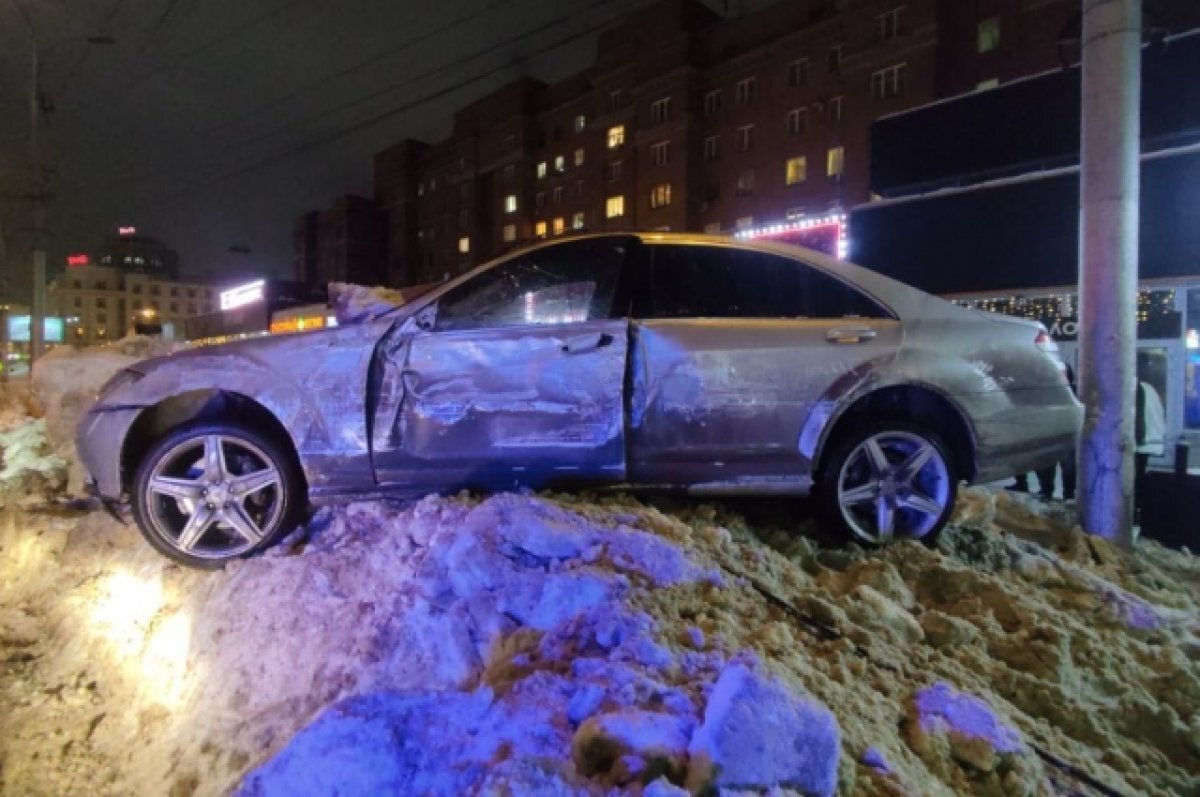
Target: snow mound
x=552, y=645
x=354, y=304
x=65, y=382
x=30, y=470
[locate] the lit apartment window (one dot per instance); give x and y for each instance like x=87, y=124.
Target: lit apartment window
x=539, y=200
x=745, y=182
x=660, y=195
x=616, y=136
x=745, y=223
x=510, y=233
x=989, y=34
x=660, y=111
x=712, y=102
x=836, y=105
x=541, y=169
x=510, y=203
x=579, y=157
x=889, y=82
x=796, y=170
x=797, y=74
x=797, y=121
x=745, y=90
x=658, y=153
x=580, y=123
x=834, y=60
x=464, y=244
x=560, y=164
x=614, y=171
x=557, y=194
x=745, y=138
x=577, y=221
x=713, y=229
x=614, y=207
x=539, y=229
x=560, y=226
x=887, y=25
x=835, y=161
x=712, y=148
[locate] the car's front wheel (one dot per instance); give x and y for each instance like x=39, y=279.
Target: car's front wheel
x=209, y=492
x=889, y=481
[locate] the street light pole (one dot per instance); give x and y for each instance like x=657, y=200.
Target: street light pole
x=39, y=192
x=37, y=320
x=1108, y=258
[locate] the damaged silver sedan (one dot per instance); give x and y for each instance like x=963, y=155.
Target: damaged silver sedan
x=680, y=362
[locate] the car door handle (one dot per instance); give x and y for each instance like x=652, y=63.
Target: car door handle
x=850, y=335
x=587, y=343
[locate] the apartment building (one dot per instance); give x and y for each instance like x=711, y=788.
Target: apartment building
x=688, y=120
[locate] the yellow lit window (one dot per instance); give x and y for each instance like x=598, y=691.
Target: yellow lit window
x=464, y=244
x=614, y=207
x=797, y=170
x=835, y=161
x=539, y=229
x=559, y=226
x=616, y=136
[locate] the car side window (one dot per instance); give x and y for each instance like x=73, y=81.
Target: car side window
x=568, y=283
x=689, y=281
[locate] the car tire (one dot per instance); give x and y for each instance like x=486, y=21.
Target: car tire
x=874, y=489
x=209, y=492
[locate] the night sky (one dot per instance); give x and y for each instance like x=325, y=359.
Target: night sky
x=198, y=124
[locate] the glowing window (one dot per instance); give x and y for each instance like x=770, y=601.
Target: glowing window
x=614, y=207
x=796, y=170
x=464, y=244
x=616, y=136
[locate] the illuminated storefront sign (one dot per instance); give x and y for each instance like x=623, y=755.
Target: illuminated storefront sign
x=78, y=260
x=18, y=329
x=126, y=231
x=242, y=295
x=299, y=324
x=826, y=234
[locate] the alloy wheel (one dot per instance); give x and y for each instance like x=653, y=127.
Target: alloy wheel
x=214, y=496
x=894, y=484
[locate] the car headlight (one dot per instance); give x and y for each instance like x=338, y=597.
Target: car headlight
x=126, y=376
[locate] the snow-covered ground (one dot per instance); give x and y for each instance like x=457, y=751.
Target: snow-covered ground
x=554, y=644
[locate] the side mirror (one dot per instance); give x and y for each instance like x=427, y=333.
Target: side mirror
x=426, y=318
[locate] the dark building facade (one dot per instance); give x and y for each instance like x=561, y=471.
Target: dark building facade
x=139, y=254
x=344, y=243
x=690, y=121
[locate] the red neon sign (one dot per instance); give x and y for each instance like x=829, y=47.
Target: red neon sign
x=78, y=260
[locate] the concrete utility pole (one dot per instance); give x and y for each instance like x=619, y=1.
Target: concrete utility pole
x=1108, y=256
x=37, y=306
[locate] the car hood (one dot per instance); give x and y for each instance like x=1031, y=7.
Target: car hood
x=270, y=349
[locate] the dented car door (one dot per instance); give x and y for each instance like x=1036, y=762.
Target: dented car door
x=519, y=378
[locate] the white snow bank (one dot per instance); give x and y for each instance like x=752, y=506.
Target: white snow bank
x=65, y=382
x=551, y=645
x=29, y=471
x=354, y=304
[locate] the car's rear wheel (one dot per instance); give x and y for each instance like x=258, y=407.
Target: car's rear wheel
x=889, y=481
x=209, y=492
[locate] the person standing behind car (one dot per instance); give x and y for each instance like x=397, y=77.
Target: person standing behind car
x=1046, y=475
x=1149, y=429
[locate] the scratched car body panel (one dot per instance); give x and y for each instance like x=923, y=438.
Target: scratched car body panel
x=572, y=363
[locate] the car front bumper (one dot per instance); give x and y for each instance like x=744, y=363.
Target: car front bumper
x=99, y=440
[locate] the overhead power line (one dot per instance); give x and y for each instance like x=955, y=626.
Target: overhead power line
x=370, y=61
x=423, y=77
x=376, y=118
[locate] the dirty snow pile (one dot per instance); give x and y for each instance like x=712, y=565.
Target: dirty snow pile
x=552, y=645
x=353, y=304
x=29, y=470
x=66, y=379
